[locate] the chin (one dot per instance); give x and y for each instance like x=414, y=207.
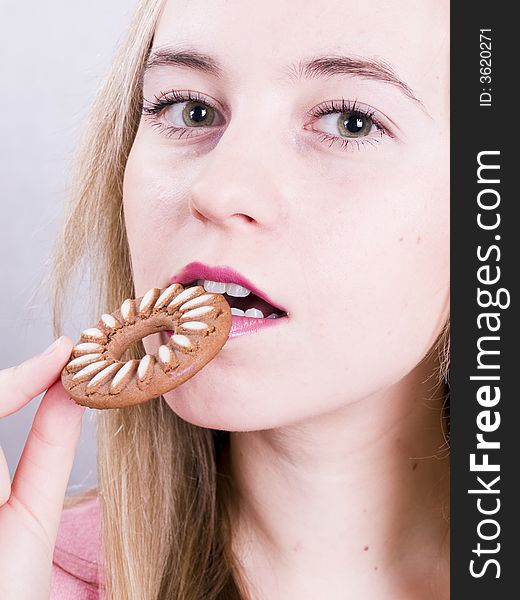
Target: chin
x=233, y=406
x=217, y=413
x=208, y=420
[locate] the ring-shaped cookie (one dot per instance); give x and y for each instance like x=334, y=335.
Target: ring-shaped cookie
x=97, y=377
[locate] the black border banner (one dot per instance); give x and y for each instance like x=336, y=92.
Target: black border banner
x=485, y=401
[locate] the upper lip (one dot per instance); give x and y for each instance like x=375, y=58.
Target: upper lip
x=197, y=270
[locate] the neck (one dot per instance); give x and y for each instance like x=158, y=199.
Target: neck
x=357, y=498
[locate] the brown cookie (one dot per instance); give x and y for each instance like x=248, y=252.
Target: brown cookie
x=96, y=376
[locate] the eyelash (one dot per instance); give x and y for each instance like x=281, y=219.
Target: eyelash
x=153, y=109
x=342, y=106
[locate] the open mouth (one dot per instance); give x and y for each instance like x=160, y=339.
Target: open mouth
x=242, y=301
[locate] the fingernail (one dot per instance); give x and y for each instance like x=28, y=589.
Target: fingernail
x=52, y=347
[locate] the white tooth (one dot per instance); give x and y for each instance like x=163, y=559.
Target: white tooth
x=255, y=313
x=272, y=316
x=217, y=287
x=237, y=312
x=233, y=289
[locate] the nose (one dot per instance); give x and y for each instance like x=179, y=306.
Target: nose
x=237, y=183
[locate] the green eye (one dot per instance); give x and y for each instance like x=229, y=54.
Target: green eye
x=196, y=114
x=353, y=125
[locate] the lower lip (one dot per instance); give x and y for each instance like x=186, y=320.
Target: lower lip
x=245, y=326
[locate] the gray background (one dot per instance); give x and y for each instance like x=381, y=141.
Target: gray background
x=53, y=56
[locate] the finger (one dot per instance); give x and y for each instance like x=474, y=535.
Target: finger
x=5, y=480
x=20, y=384
x=40, y=481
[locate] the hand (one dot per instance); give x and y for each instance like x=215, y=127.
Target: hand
x=30, y=507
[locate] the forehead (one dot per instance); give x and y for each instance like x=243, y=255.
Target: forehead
x=256, y=40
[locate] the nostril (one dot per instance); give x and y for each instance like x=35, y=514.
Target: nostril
x=246, y=218
x=197, y=214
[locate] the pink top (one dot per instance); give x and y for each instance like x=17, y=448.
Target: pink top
x=76, y=573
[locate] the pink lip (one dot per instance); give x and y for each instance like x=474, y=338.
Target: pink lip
x=243, y=326
x=197, y=270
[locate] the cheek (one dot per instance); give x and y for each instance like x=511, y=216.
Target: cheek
x=155, y=208
x=372, y=249
x=379, y=289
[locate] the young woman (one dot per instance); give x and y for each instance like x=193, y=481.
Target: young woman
x=300, y=149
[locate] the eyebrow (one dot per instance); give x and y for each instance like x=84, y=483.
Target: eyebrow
x=319, y=67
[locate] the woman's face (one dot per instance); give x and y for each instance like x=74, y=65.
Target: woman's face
x=340, y=218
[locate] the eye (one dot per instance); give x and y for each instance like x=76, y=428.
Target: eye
x=344, y=122
x=352, y=124
x=349, y=124
x=189, y=114
x=179, y=113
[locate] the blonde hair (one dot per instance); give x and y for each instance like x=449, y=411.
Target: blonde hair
x=163, y=498
x=163, y=493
